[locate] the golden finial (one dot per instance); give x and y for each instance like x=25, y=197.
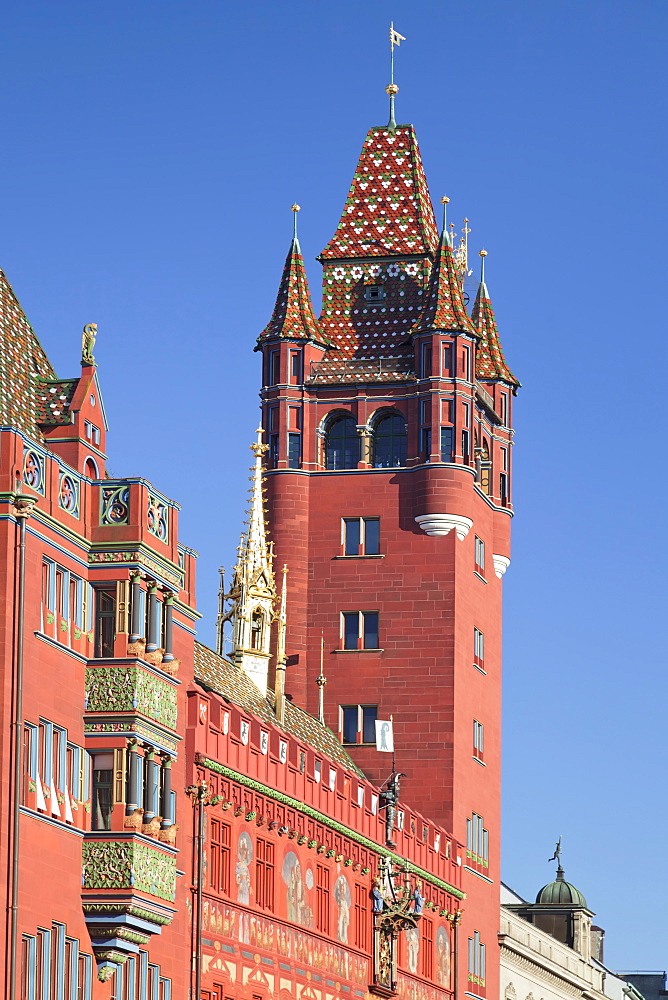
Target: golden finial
x=294, y=209
x=483, y=254
x=392, y=89
x=462, y=252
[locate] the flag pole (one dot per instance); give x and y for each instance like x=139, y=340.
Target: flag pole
x=392, y=88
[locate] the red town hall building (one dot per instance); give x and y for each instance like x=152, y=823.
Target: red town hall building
x=182, y=823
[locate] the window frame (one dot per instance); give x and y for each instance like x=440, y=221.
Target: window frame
x=364, y=629
x=362, y=523
x=364, y=718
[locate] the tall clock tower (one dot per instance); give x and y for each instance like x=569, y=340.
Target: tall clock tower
x=389, y=486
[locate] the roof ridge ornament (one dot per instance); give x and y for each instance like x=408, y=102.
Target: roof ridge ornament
x=392, y=90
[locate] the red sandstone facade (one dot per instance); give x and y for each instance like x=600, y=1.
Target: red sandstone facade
x=395, y=406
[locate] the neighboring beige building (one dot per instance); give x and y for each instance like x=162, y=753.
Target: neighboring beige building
x=551, y=951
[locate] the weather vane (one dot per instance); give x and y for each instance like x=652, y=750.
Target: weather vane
x=392, y=89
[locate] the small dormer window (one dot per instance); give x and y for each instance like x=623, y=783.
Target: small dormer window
x=374, y=293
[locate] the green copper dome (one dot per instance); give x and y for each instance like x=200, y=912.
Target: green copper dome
x=561, y=892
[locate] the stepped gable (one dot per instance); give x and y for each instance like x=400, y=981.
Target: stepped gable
x=24, y=366
x=293, y=314
x=386, y=237
x=445, y=309
x=221, y=676
x=490, y=362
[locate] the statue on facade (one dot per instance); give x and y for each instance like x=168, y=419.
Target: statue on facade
x=88, y=343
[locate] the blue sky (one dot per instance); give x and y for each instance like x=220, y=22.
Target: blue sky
x=150, y=155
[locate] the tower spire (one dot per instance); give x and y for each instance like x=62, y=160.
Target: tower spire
x=253, y=591
x=444, y=308
x=293, y=314
x=490, y=362
x=392, y=90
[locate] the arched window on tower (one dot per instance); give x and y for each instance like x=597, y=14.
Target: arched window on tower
x=257, y=629
x=342, y=443
x=389, y=441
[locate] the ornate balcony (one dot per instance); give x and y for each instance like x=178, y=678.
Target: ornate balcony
x=128, y=892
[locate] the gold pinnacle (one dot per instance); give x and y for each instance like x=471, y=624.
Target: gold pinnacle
x=445, y=200
x=483, y=253
x=296, y=208
x=391, y=89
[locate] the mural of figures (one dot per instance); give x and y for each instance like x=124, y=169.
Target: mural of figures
x=242, y=871
x=343, y=901
x=413, y=942
x=299, y=912
x=443, y=957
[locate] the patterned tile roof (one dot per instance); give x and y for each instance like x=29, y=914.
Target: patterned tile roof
x=444, y=308
x=293, y=314
x=23, y=365
x=377, y=265
x=220, y=675
x=53, y=400
x=490, y=362
x=388, y=209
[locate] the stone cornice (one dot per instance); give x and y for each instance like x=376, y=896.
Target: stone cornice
x=569, y=983
x=302, y=807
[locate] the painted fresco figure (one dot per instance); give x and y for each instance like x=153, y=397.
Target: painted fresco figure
x=343, y=901
x=242, y=870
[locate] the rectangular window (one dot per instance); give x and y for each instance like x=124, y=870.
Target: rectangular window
x=478, y=740
x=358, y=723
x=105, y=621
x=477, y=841
x=425, y=443
x=479, y=555
x=466, y=453
x=219, y=860
x=273, y=418
x=295, y=366
x=273, y=450
x=294, y=450
x=274, y=367
x=447, y=359
x=359, y=629
x=103, y=788
x=447, y=441
x=322, y=899
x=264, y=874
x=425, y=357
x=427, y=948
x=503, y=407
x=476, y=970
x=478, y=647
x=466, y=363
x=295, y=418
x=424, y=411
x=361, y=536
x=361, y=917
x=503, y=488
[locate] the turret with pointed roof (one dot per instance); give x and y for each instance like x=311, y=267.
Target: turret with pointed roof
x=293, y=315
x=444, y=308
x=490, y=362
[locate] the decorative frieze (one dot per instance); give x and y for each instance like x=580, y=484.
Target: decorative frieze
x=131, y=688
x=129, y=864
